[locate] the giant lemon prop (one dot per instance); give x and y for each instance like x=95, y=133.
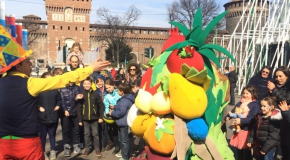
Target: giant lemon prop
x=187, y=100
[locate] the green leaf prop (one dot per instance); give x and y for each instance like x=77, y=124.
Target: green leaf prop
x=213, y=106
x=210, y=54
x=168, y=129
x=181, y=27
x=218, y=137
x=145, y=66
x=154, y=62
x=197, y=24
x=165, y=84
x=198, y=77
x=158, y=134
x=220, y=49
x=202, y=37
x=159, y=68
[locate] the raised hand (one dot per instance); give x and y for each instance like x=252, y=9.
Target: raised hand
x=271, y=85
x=100, y=65
x=283, y=106
x=79, y=96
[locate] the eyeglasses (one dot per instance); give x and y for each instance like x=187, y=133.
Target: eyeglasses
x=133, y=69
x=265, y=72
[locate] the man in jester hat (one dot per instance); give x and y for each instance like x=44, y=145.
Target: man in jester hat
x=18, y=91
x=179, y=112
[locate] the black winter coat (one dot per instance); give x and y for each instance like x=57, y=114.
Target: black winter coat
x=68, y=99
x=48, y=100
x=247, y=122
x=91, y=107
x=282, y=93
x=233, y=78
x=266, y=131
x=261, y=84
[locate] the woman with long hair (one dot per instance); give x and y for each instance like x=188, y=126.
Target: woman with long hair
x=133, y=74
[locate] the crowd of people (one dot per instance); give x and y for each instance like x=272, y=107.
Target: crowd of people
x=261, y=117
x=83, y=106
x=92, y=104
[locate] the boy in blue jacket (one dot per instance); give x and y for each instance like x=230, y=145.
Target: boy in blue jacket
x=70, y=121
x=120, y=113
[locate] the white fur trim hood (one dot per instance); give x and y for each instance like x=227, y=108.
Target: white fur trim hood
x=276, y=115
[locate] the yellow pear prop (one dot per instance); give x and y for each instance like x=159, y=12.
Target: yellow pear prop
x=187, y=100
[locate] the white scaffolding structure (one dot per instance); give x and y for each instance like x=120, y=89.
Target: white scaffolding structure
x=257, y=44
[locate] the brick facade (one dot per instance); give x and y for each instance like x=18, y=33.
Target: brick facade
x=68, y=22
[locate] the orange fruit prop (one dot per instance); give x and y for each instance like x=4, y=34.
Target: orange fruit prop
x=141, y=123
x=160, y=136
x=187, y=100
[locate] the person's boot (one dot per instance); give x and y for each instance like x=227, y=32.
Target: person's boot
x=67, y=151
x=117, y=149
x=134, y=150
x=52, y=154
x=109, y=146
x=45, y=156
x=77, y=149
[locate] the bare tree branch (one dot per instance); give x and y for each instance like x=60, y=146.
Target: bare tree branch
x=183, y=11
x=117, y=28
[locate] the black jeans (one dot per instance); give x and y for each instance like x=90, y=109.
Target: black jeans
x=113, y=134
x=232, y=93
x=71, y=123
x=51, y=130
x=91, y=127
x=244, y=154
x=124, y=142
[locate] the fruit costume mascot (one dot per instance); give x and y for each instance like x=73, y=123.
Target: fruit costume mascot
x=19, y=125
x=179, y=112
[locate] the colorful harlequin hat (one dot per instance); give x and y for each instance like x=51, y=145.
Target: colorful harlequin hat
x=11, y=53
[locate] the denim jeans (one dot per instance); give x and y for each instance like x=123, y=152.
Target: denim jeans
x=269, y=155
x=124, y=142
x=91, y=127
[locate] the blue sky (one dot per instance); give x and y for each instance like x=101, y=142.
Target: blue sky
x=148, y=7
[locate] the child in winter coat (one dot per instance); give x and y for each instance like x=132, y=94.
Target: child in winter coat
x=89, y=111
x=111, y=98
x=70, y=121
x=266, y=129
x=250, y=108
x=49, y=104
x=75, y=50
x=101, y=87
x=120, y=113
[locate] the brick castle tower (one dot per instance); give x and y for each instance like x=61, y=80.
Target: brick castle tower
x=68, y=22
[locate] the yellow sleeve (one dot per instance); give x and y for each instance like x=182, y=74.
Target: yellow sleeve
x=38, y=85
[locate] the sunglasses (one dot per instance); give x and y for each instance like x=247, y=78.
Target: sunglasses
x=265, y=72
x=132, y=69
